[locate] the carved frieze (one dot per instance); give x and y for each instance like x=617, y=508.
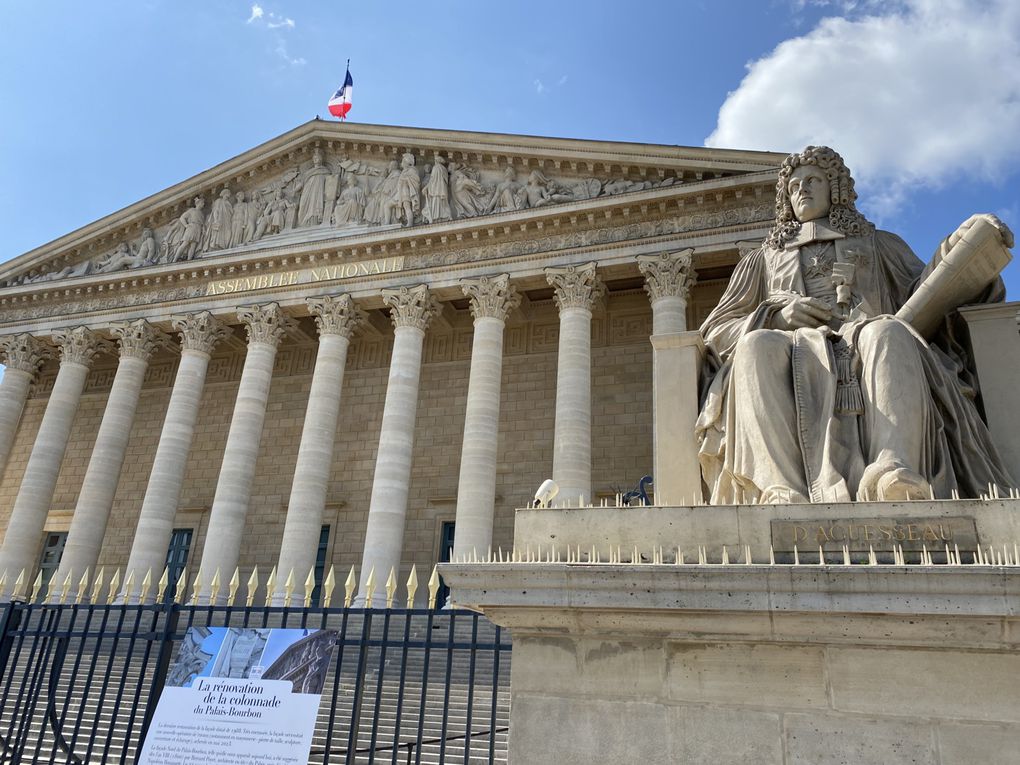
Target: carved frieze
x=492, y=296
x=412, y=306
x=335, y=191
x=575, y=286
x=668, y=274
x=336, y=315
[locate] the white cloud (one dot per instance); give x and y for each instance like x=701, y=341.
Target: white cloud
x=539, y=87
x=562, y=80
x=921, y=94
x=279, y=25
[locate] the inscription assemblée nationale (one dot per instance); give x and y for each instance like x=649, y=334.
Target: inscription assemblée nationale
x=306, y=276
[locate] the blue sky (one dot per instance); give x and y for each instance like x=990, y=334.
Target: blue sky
x=104, y=103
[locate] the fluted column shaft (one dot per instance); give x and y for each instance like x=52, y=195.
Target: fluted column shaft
x=137, y=341
x=23, y=355
x=384, y=537
x=491, y=299
x=577, y=289
x=199, y=335
x=336, y=318
x=266, y=326
x=676, y=365
x=28, y=517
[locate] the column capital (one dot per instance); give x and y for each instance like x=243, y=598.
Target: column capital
x=138, y=339
x=491, y=296
x=80, y=345
x=337, y=315
x=25, y=352
x=199, y=331
x=266, y=323
x=668, y=274
x=412, y=306
x=576, y=286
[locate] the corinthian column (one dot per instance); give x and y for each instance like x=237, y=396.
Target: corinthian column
x=23, y=355
x=199, y=335
x=266, y=324
x=137, y=341
x=413, y=309
x=492, y=298
x=577, y=289
x=676, y=364
x=24, y=530
x=337, y=318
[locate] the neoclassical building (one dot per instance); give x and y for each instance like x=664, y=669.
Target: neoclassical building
x=360, y=345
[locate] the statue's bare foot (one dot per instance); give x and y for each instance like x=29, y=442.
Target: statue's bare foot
x=890, y=481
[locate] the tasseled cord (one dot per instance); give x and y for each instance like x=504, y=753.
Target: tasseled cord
x=848, y=389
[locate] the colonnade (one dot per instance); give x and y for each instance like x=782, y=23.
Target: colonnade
x=577, y=289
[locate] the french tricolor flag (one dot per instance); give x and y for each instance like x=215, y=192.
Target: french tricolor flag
x=340, y=103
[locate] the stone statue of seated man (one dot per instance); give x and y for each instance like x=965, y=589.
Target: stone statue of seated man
x=818, y=393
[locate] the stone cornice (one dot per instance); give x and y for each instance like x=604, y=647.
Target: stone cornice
x=573, y=157
x=688, y=200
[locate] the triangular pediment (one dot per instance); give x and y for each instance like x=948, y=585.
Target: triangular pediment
x=325, y=181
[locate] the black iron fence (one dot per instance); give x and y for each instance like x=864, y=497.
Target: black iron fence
x=79, y=683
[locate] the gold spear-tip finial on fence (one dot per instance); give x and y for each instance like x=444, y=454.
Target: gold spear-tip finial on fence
x=349, y=587
x=97, y=586
x=270, y=585
x=196, y=585
x=369, y=588
x=146, y=586
x=65, y=588
x=233, y=586
x=19, y=585
x=327, y=588
x=214, y=587
x=288, y=588
x=309, y=587
x=412, y=586
x=83, y=587
x=391, y=586
x=253, y=586
x=114, y=588
x=181, y=587
x=162, y=584
x=129, y=585
x=433, y=586
x=36, y=586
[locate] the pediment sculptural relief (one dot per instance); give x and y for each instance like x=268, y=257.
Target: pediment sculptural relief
x=342, y=194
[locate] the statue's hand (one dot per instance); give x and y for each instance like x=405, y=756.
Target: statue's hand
x=802, y=312
x=1004, y=230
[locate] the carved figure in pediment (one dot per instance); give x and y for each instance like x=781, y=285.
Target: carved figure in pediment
x=148, y=251
x=252, y=212
x=509, y=195
x=469, y=197
x=543, y=191
x=121, y=258
x=382, y=201
x=218, y=227
x=273, y=219
x=437, y=193
x=408, y=196
x=184, y=236
x=238, y=219
x=350, y=205
x=311, y=207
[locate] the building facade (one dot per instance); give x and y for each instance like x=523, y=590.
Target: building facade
x=357, y=345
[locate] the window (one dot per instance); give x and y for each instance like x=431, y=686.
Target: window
x=177, y=555
x=53, y=550
x=320, y=563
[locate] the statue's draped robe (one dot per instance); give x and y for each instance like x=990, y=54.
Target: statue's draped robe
x=312, y=204
x=957, y=451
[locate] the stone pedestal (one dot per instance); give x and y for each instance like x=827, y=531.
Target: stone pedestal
x=765, y=664
x=676, y=363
